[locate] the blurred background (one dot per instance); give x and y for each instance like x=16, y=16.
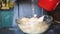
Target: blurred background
x=22, y=8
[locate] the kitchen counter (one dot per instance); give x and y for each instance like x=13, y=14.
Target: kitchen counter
x=13, y=30
x=55, y=29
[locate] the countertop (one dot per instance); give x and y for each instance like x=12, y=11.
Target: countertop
x=55, y=29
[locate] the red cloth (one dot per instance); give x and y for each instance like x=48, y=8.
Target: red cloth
x=48, y=5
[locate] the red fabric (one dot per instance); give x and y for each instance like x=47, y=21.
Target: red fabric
x=48, y=5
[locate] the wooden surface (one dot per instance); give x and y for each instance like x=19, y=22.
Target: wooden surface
x=56, y=13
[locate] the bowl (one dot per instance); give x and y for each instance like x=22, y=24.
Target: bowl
x=34, y=25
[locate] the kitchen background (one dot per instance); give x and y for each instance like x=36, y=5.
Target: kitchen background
x=24, y=9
